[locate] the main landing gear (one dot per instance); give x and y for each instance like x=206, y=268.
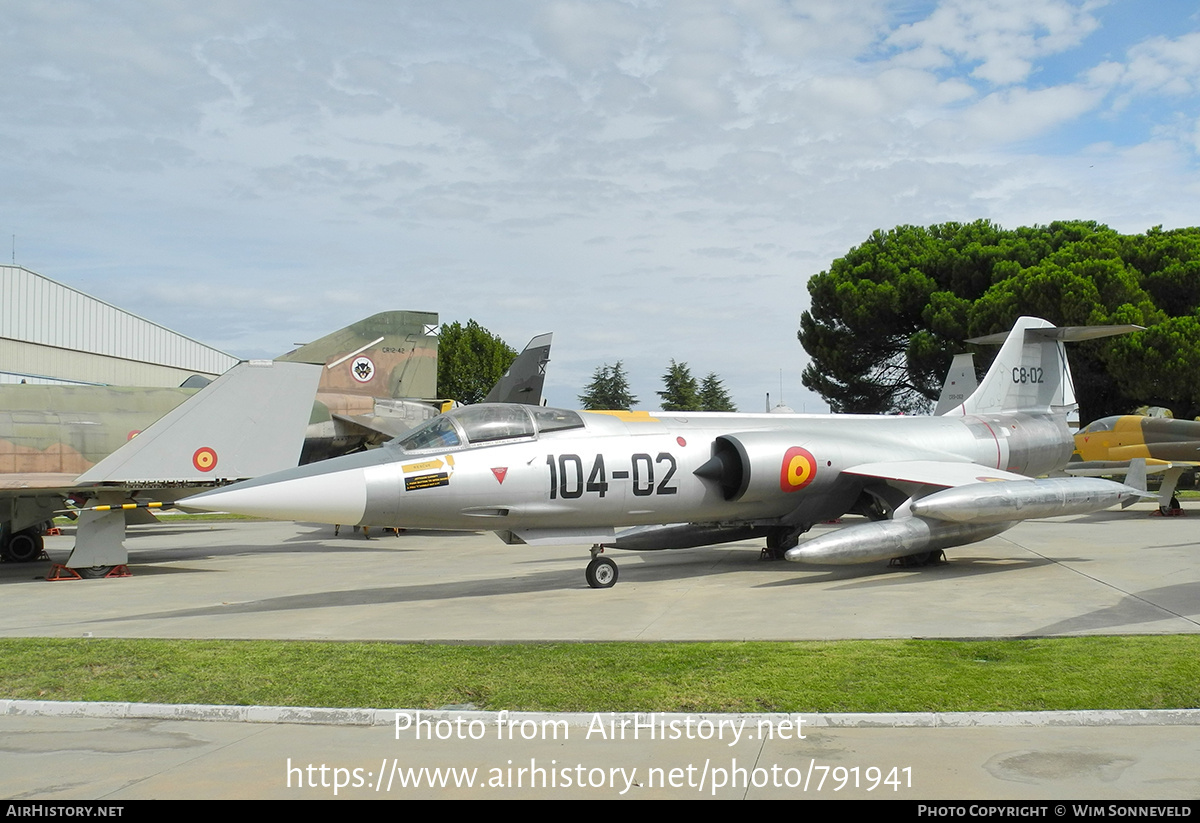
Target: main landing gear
x=914, y=561
x=1172, y=509
x=23, y=547
x=779, y=540
x=601, y=573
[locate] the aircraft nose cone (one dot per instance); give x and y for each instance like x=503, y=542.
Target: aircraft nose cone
x=339, y=497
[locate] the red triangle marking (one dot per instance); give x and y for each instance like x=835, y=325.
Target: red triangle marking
x=500, y=473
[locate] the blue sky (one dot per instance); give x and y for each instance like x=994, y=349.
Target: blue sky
x=649, y=180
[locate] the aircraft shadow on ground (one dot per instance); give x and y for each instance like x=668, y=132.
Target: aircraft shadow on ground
x=661, y=567
x=876, y=575
x=378, y=595
x=1178, y=602
x=1098, y=518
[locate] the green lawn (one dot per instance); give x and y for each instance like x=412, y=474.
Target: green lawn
x=1152, y=672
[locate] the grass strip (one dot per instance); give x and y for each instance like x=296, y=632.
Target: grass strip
x=1150, y=672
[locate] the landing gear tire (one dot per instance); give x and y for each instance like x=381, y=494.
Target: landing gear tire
x=778, y=543
x=913, y=561
x=24, y=547
x=601, y=573
x=94, y=572
x=1172, y=509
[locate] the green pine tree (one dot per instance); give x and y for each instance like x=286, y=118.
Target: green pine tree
x=680, y=392
x=609, y=390
x=713, y=396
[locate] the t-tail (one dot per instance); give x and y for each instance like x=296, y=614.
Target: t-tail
x=1031, y=374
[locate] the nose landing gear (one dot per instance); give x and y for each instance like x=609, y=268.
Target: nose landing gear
x=601, y=572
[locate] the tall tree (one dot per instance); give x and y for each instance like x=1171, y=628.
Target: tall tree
x=680, y=392
x=609, y=390
x=713, y=396
x=470, y=361
x=887, y=317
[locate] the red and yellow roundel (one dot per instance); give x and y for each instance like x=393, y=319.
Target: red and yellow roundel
x=799, y=469
x=205, y=459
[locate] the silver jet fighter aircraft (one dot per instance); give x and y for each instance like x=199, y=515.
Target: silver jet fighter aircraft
x=682, y=479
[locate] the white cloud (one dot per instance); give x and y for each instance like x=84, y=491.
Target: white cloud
x=1001, y=38
x=469, y=157
x=1019, y=114
x=1167, y=65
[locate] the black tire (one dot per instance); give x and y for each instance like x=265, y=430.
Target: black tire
x=94, y=572
x=601, y=573
x=24, y=546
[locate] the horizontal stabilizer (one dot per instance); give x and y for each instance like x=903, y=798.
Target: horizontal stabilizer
x=250, y=421
x=1065, y=334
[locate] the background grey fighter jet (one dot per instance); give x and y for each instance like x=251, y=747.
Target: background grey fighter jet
x=681, y=479
x=378, y=379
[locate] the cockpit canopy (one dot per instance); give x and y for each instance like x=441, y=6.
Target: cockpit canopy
x=1104, y=424
x=488, y=423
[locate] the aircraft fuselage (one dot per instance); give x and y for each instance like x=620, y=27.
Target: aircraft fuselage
x=623, y=469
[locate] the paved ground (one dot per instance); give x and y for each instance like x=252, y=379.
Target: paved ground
x=1116, y=572
x=1017, y=758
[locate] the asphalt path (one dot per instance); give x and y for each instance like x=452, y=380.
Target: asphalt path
x=1108, y=573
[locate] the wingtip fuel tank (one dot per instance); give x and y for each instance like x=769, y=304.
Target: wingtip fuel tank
x=1010, y=501
x=961, y=515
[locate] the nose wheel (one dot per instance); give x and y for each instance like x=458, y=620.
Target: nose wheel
x=601, y=573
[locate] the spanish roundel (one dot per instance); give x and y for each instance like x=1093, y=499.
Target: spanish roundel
x=798, y=470
x=205, y=459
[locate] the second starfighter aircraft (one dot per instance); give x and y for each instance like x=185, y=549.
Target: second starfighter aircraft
x=681, y=479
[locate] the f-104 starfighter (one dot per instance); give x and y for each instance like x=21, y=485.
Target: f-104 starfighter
x=666, y=480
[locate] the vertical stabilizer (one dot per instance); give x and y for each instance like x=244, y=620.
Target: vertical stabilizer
x=248, y=422
x=523, y=381
x=960, y=383
x=1030, y=374
x=390, y=354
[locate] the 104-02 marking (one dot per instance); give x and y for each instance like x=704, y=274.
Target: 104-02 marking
x=567, y=475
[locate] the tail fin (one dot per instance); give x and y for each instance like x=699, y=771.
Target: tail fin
x=248, y=422
x=1030, y=374
x=391, y=354
x=523, y=381
x=960, y=383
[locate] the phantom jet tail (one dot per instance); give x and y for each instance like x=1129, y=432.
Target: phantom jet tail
x=390, y=354
x=249, y=421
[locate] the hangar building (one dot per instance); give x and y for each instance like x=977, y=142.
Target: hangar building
x=51, y=333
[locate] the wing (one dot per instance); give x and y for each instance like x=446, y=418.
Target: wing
x=936, y=473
